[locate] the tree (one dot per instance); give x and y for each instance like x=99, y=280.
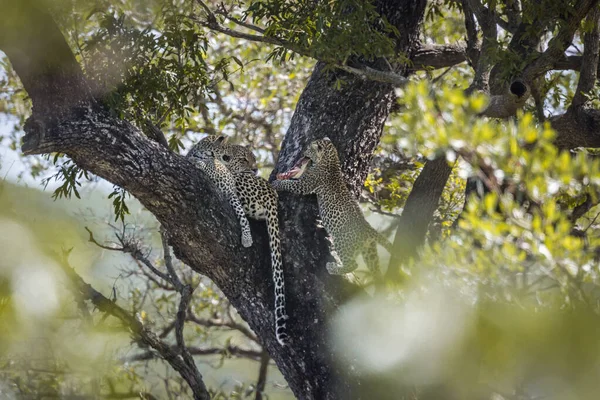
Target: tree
x=110, y=126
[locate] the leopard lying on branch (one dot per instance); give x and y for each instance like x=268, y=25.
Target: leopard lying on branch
x=259, y=201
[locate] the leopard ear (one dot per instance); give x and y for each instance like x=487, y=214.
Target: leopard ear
x=326, y=138
x=222, y=139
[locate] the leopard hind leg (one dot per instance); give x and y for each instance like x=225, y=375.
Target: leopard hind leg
x=345, y=261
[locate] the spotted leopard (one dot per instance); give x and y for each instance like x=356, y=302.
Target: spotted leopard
x=319, y=172
x=260, y=202
x=202, y=154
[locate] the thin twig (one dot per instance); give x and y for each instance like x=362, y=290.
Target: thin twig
x=133, y=250
x=169, y=261
x=262, y=375
x=364, y=72
x=591, y=223
x=237, y=21
x=218, y=322
x=234, y=351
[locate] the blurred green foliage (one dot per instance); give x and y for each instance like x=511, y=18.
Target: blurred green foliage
x=508, y=301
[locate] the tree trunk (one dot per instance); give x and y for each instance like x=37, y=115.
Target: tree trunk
x=201, y=228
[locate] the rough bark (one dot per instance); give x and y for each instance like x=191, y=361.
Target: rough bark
x=578, y=127
x=438, y=56
x=67, y=119
x=186, y=204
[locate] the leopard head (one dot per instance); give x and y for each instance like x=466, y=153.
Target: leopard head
x=207, y=147
x=237, y=158
x=319, y=158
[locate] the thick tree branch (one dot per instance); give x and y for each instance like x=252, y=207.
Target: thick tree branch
x=47, y=68
x=505, y=101
x=473, y=45
x=525, y=40
x=418, y=213
x=568, y=63
x=513, y=12
x=371, y=74
x=486, y=19
x=506, y=104
x=578, y=127
x=438, y=56
x=538, y=98
x=154, y=133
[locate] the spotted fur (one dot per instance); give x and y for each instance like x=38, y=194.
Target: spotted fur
x=202, y=154
x=260, y=201
x=350, y=234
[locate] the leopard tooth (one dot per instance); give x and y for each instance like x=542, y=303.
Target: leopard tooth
x=302, y=168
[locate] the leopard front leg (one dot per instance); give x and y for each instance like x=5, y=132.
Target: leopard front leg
x=241, y=215
x=293, y=186
x=203, y=156
x=226, y=184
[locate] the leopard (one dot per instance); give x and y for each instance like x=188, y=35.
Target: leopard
x=260, y=202
x=202, y=155
x=319, y=172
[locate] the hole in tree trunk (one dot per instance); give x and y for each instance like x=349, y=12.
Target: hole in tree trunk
x=518, y=88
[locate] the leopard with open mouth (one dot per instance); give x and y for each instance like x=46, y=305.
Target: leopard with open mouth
x=319, y=172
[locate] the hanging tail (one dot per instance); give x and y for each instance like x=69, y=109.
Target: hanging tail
x=278, y=280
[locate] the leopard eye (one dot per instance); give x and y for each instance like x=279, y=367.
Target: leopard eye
x=226, y=158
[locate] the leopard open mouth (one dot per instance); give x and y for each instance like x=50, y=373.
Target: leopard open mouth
x=296, y=171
